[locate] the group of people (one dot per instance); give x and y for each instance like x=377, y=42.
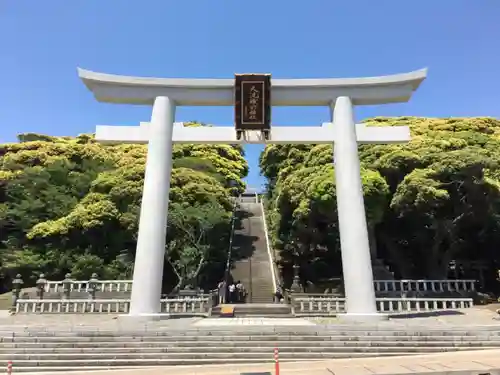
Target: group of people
x=231, y=292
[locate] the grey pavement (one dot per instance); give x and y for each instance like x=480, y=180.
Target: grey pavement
x=466, y=318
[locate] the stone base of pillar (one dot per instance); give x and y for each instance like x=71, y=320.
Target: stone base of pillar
x=362, y=318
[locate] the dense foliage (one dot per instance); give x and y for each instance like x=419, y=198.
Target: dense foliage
x=433, y=201
x=72, y=205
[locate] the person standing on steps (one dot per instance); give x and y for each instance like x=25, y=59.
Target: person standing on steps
x=222, y=290
x=240, y=290
x=232, y=293
x=278, y=295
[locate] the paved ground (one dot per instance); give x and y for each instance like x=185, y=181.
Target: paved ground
x=446, y=363
x=467, y=318
x=461, y=317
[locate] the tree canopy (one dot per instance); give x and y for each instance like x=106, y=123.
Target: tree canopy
x=429, y=202
x=72, y=205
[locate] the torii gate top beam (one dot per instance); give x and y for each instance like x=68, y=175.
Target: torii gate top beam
x=285, y=92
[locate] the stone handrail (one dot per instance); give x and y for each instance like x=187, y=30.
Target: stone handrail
x=465, y=285
x=227, y=270
x=275, y=274
x=425, y=285
x=83, y=286
x=174, y=306
x=321, y=305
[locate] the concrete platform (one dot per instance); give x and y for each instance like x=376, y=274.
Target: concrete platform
x=467, y=318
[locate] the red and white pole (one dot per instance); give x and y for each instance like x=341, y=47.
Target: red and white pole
x=9, y=367
x=276, y=362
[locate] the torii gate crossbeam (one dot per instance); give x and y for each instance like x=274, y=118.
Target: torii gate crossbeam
x=325, y=134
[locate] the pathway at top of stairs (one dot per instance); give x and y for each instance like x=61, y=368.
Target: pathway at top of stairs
x=218, y=322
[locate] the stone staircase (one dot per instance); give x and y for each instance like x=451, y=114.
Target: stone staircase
x=44, y=349
x=251, y=264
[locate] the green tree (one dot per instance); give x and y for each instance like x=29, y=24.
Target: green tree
x=197, y=234
x=428, y=202
x=72, y=205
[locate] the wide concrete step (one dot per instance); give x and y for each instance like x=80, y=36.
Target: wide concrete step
x=265, y=333
x=251, y=330
x=49, y=370
x=228, y=341
x=113, y=345
x=217, y=353
x=246, y=326
x=183, y=358
x=161, y=349
x=66, y=366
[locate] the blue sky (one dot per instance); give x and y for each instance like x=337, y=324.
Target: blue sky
x=43, y=42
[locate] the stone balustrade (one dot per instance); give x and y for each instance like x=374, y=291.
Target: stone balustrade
x=323, y=305
x=69, y=285
x=85, y=286
x=380, y=286
x=174, y=306
x=425, y=285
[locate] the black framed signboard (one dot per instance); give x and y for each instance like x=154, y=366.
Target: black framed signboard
x=252, y=99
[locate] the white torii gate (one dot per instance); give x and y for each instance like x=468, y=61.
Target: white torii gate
x=162, y=132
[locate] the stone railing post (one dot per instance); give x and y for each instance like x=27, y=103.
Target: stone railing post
x=17, y=285
x=93, y=285
x=40, y=286
x=67, y=283
x=296, y=279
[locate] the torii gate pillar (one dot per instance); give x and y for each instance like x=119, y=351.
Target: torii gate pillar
x=353, y=230
x=150, y=250
x=339, y=94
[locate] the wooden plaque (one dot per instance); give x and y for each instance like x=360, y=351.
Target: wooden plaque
x=252, y=102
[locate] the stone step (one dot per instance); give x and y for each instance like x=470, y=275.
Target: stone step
x=237, y=327
x=35, y=367
x=328, y=342
x=215, y=353
x=187, y=358
x=291, y=335
x=338, y=346
x=77, y=323
x=242, y=330
x=49, y=370
x=112, y=345
x=260, y=300
x=242, y=327
x=242, y=335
